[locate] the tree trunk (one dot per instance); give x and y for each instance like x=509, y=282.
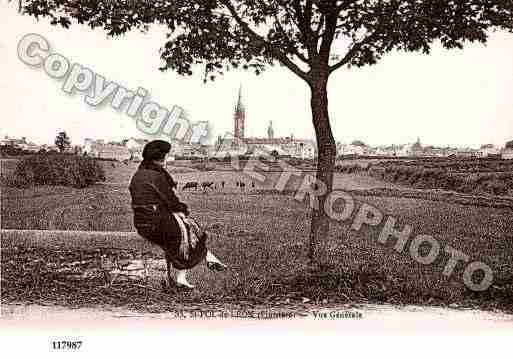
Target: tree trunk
x=325, y=163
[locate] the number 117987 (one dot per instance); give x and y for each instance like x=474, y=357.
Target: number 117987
x=66, y=345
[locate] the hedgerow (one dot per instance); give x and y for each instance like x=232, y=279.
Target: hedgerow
x=420, y=176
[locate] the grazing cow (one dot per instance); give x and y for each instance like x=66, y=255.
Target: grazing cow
x=194, y=185
x=206, y=185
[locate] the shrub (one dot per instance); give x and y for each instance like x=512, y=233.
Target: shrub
x=57, y=169
x=6, y=151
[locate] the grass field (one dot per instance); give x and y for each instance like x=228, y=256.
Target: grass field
x=262, y=236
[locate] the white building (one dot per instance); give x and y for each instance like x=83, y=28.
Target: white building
x=507, y=154
x=298, y=149
x=307, y=150
x=489, y=150
x=30, y=147
x=14, y=142
x=386, y=151
x=346, y=150
x=411, y=150
x=98, y=149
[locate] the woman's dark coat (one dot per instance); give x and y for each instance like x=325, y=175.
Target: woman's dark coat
x=153, y=201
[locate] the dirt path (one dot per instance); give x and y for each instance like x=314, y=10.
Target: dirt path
x=373, y=318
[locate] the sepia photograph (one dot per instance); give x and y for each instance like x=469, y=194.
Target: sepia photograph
x=294, y=177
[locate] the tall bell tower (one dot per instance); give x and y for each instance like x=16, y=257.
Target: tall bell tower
x=239, y=117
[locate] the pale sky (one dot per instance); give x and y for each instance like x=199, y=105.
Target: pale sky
x=455, y=98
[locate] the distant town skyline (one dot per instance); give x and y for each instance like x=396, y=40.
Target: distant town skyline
x=457, y=98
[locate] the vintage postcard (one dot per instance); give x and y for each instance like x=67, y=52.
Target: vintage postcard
x=302, y=177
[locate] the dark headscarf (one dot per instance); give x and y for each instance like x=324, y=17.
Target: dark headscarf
x=156, y=151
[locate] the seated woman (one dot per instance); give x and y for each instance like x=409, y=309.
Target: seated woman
x=161, y=218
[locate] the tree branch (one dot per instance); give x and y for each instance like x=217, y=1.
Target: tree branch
x=272, y=49
x=294, y=49
x=304, y=27
x=352, y=51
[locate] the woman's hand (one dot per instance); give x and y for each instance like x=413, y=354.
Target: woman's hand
x=184, y=209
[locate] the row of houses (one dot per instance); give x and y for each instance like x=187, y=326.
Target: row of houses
x=131, y=149
x=25, y=145
x=20, y=143
x=252, y=146
x=358, y=148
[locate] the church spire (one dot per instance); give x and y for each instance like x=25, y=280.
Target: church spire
x=239, y=116
x=240, y=104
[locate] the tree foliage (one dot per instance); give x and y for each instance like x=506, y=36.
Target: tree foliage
x=300, y=34
x=62, y=141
